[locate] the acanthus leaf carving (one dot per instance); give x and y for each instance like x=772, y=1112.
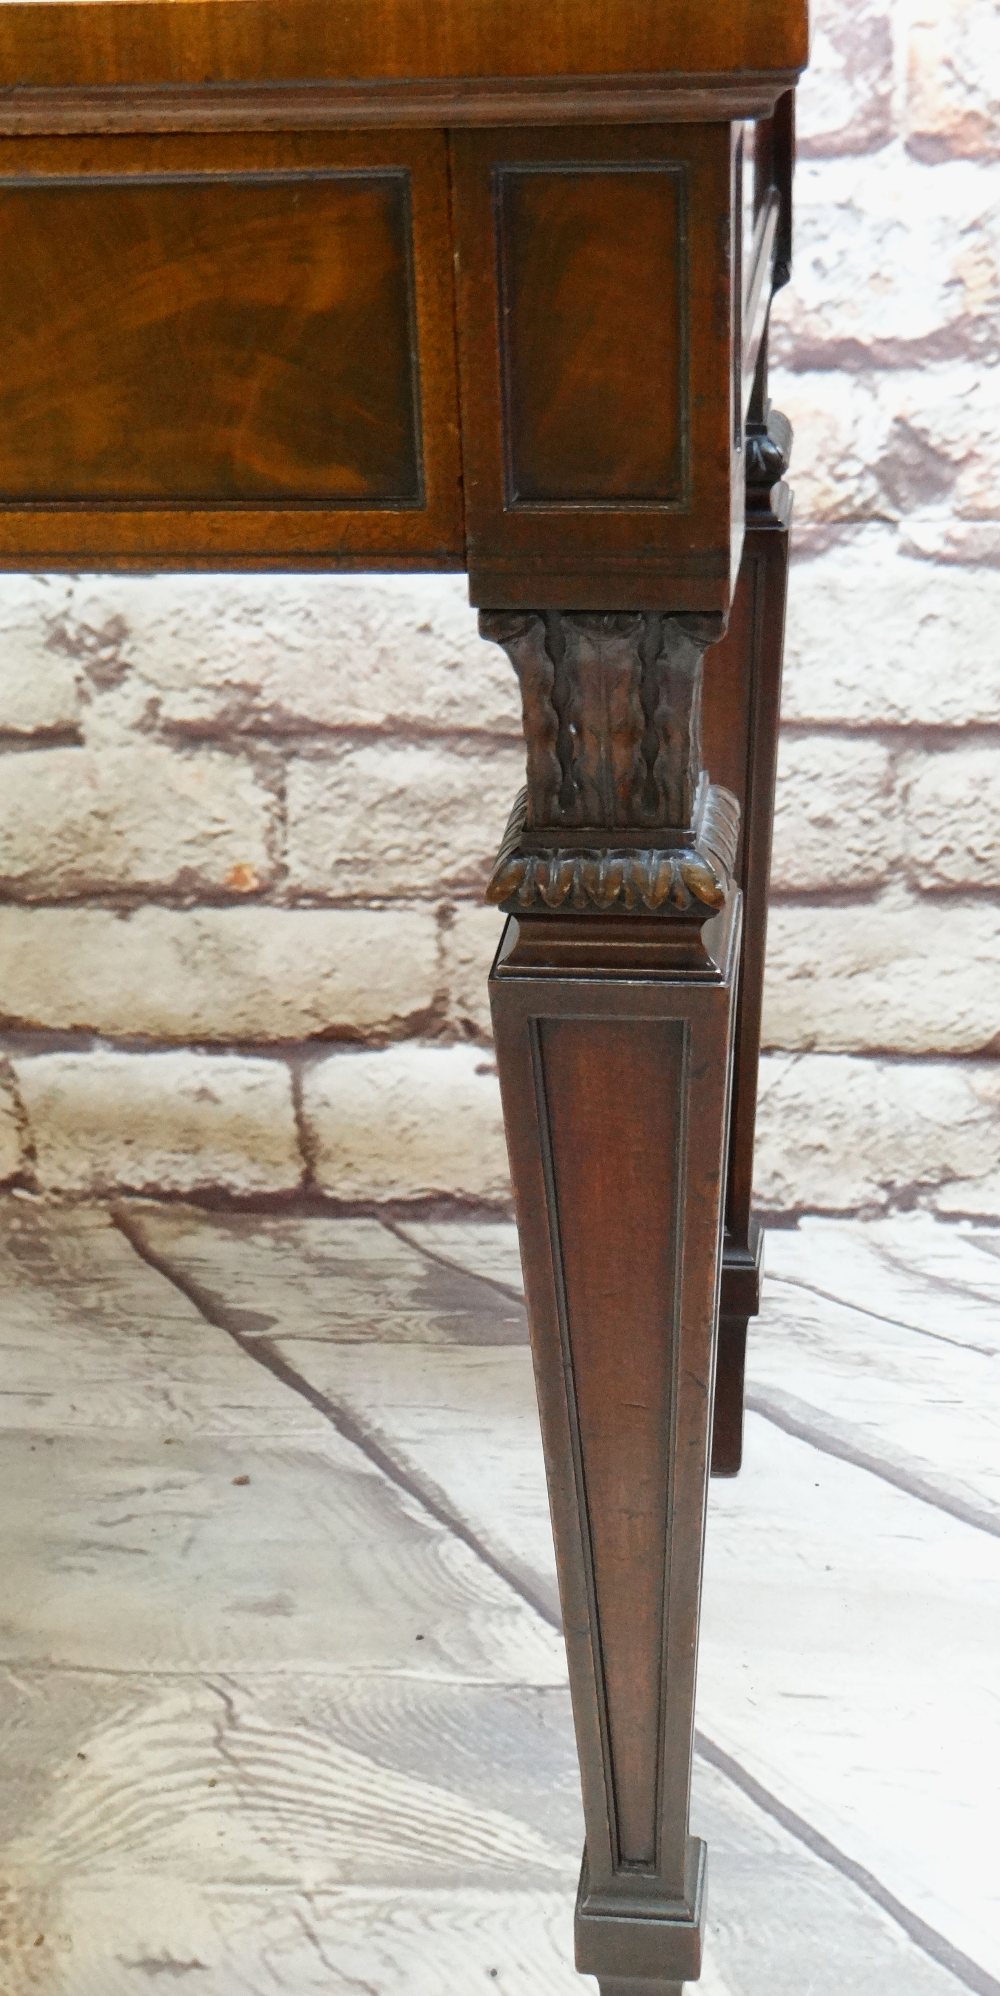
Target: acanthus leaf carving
x=694, y=875
x=617, y=813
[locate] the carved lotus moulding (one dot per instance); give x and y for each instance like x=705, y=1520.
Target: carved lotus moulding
x=692, y=871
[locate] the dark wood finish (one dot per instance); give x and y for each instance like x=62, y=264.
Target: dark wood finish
x=767, y=579
x=625, y=1160
x=633, y=1988
x=777, y=135
x=616, y=811
x=328, y=106
x=614, y=1036
x=332, y=439
x=157, y=385
x=615, y=1093
x=129, y=42
x=741, y=712
x=215, y=349
x=610, y=716
x=546, y=387
x=512, y=317
x=571, y=242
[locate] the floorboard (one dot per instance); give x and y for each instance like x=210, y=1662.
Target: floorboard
x=282, y=1703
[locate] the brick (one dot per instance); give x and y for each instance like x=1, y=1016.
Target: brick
x=952, y=96
x=73, y=820
x=872, y=289
x=253, y=973
x=893, y=976
x=838, y=1134
x=411, y=1122
x=952, y=809
x=10, y=1130
x=876, y=636
x=834, y=826
x=941, y=448
x=39, y=686
x=470, y=941
x=915, y=468
x=845, y=99
x=894, y=444
x=970, y=1198
x=963, y=544
x=280, y=654
x=391, y=820
x=160, y=1122
x=838, y=422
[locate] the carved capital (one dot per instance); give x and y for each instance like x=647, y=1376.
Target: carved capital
x=612, y=714
x=618, y=813
x=658, y=879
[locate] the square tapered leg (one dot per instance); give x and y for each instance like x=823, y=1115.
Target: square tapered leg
x=613, y=999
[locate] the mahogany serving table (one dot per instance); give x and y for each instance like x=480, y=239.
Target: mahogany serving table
x=484, y=284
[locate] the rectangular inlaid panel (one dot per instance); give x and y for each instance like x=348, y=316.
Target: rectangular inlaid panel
x=216, y=340
x=615, y=1097
x=578, y=247
x=227, y=346
x=595, y=324
x=189, y=337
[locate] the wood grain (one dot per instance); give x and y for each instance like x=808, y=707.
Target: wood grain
x=227, y=348
x=125, y=1933
x=939, y=1280
x=242, y=339
x=173, y=41
x=613, y=245
x=331, y=1282
x=195, y=1775
x=488, y=1249
x=294, y=1828
x=613, y=1168
x=837, y=1938
x=71, y=1361
x=592, y=272
x=921, y=1405
x=661, y=98
x=138, y=1549
x=423, y=1403
x=118, y=1532
x=858, y=1686
x=615, y=1096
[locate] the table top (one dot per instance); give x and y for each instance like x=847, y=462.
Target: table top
x=52, y=44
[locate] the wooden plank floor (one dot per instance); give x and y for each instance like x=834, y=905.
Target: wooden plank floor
x=282, y=1697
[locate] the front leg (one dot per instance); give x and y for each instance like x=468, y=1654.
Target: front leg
x=612, y=996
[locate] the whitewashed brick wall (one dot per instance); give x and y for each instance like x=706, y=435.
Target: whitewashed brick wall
x=244, y=824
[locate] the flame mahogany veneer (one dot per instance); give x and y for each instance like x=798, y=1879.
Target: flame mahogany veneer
x=446, y=284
